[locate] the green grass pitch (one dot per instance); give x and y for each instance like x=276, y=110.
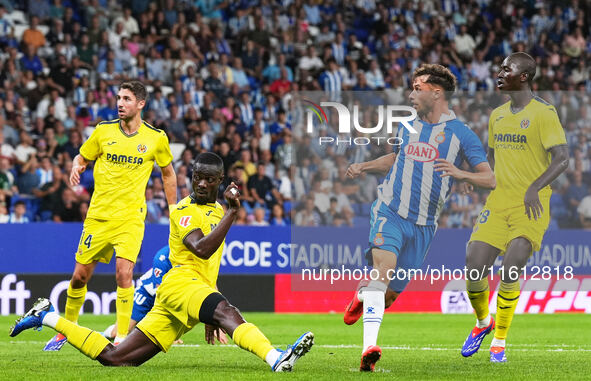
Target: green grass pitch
x=415, y=346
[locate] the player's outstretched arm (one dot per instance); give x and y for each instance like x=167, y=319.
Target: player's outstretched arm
x=559, y=163
x=484, y=177
x=169, y=181
x=204, y=246
x=78, y=166
x=381, y=164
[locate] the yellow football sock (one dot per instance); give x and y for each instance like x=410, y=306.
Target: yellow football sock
x=74, y=302
x=506, y=302
x=124, y=306
x=478, y=294
x=89, y=342
x=248, y=336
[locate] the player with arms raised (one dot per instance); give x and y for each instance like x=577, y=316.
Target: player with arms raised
x=528, y=150
x=417, y=184
x=187, y=295
x=124, y=151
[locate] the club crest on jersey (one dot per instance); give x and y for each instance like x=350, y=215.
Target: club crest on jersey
x=185, y=221
x=420, y=151
x=525, y=123
x=141, y=148
x=440, y=138
x=378, y=240
x=157, y=272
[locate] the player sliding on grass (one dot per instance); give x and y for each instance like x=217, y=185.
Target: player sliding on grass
x=145, y=293
x=187, y=295
x=419, y=178
x=522, y=136
x=124, y=151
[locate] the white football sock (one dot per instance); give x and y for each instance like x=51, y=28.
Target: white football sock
x=272, y=357
x=50, y=319
x=373, y=312
x=484, y=322
x=497, y=343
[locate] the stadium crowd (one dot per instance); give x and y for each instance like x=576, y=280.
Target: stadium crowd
x=222, y=77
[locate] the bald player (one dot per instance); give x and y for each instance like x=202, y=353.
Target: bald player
x=528, y=150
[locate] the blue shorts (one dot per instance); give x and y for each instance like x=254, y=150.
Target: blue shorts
x=142, y=303
x=408, y=241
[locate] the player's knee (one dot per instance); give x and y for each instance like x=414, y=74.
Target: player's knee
x=109, y=357
x=79, y=279
x=124, y=277
x=473, y=260
x=523, y=245
x=227, y=316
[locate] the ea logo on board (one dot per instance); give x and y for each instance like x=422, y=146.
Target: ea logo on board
x=141, y=148
x=420, y=151
x=454, y=298
x=525, y=123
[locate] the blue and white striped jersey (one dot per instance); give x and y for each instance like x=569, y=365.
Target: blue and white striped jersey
x=412, y=188
x=153, y=277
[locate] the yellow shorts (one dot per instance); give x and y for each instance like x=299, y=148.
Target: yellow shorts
x=100, y=237
x=499, y=227
x=176, y=310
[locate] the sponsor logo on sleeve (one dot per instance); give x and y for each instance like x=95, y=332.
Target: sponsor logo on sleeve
x=185, y=221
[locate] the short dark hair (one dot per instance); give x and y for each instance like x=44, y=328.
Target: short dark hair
x=209, y=158
x=438, y=75
x=526, y=64
x=137, y=88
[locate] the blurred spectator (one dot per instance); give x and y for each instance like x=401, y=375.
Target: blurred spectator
x=332, y=217
x=154, y=212
x=259, y=218
x=7, y=187
x=50, y=194
x=461, y=206
x=33, y=37
x=69, y=210
x=262, y=190
x=24, y=150
x=308, y=216
x=6, y=150
x=4, y=216
x=18, y=216
x=83, y=210
x=575, y=192
x=277, y=216
x=584, y=211
x=28, y=180
x=241, y=217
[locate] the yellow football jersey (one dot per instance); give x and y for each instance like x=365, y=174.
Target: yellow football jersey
x=521, y=142
x=123, y=164
x=187, y=217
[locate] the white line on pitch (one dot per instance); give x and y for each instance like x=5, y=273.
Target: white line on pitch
x=512, y=347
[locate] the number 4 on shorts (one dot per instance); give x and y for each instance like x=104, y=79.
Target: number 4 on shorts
x=88, y=240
